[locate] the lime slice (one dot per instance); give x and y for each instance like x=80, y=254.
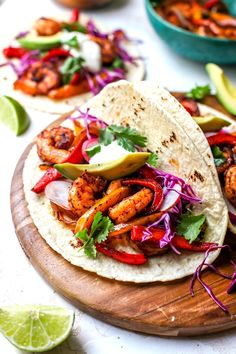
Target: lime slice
x=13, y=115
x=35, y=328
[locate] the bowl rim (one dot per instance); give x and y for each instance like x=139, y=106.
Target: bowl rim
x=183, y=31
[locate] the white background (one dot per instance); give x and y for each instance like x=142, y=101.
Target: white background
x=19, y=282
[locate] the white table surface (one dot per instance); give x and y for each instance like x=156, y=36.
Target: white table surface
x=19, y=282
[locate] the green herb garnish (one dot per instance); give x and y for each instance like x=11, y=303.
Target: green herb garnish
x=74, y=27
x=218, y=155
x=100, y=229
x=73, y=43
x=199, y=92
x=190, y=226
x=117, y=63
x=152, y=160
x=126, y=137
x=70, y=67
x=93, y=150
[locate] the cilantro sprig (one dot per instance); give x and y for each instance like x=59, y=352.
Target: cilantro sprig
x=126, y=137
x=199, y=92
x=190, y=226
x=70, y=67
x=93, y=150
x=218, y=155
x=100, y=229
x=152, y=160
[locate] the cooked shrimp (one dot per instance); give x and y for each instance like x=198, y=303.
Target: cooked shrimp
x=114, y=185
x=46, y=26
x=54, y=144
x=39, y=79
x=131, y=206
x=108, y=49
x=84, y=192
x=230, y=185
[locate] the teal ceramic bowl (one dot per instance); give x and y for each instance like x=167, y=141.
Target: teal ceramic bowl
x=191, y=45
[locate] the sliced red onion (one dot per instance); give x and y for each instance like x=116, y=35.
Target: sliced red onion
x=58, y=192
x=88, y=143
x=232, y=211
x=21, y=34
x=171, y=198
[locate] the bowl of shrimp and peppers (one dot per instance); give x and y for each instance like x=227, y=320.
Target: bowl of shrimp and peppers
x=200, y=30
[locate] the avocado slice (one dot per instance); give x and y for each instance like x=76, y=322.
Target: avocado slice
x=121, y=167
x=32, y=41
x=225, y=90
x=209, y=123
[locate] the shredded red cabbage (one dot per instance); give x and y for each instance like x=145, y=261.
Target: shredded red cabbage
x=28, y=59
x=197, y=276
x=111, y=76
x=117, y=37
x=88, y=118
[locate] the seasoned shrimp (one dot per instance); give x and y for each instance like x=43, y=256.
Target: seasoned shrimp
x=131, y=206
x=84, y=192
x=46, y=26
x=39, y=79
x=54, y=144
x=230, y=185
x=114, y=185
x=108, y=49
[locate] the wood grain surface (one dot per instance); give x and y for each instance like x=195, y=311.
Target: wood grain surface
x=161, y=309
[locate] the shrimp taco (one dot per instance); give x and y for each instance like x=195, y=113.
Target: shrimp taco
x=58, y=64
x=126, y=194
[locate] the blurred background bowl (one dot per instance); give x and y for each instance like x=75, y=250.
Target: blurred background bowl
x=191, y=45
x=84, y=4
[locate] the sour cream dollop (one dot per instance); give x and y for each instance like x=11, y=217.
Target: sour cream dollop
x=108, y=153
x=88, y=50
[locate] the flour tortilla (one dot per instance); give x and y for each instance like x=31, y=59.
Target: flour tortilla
x=125, y=103
x=134, y=73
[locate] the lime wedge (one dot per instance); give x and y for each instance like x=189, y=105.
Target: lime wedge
x=13, y=115
x=35, y=328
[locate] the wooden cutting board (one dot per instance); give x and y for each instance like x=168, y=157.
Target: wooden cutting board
x=161, y=309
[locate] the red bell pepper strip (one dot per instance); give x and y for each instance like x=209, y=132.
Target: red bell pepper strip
x=147, y=172
x=50, y=175
x=123, y=257
x=210, y=3
x=191, y=106
x=56, y=53
x=149, y=183
x=222, y=139
x=75, y=15
x=12, y=52
x=143, y=234
x=75, y=79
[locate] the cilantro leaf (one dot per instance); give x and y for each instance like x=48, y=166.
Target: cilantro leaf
x=93, y=150
x=70, y=67
x=152, y=160
x=100, y=229
x=97, y=218
x=82, y=235
x=199, y=92
x=74, y=27
x=218, y=155
x=106, y=136
x=117, y=63
x=73, y=42
x=190, y=226
x=90, y=249
x=125, y=136
x=130, y=134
